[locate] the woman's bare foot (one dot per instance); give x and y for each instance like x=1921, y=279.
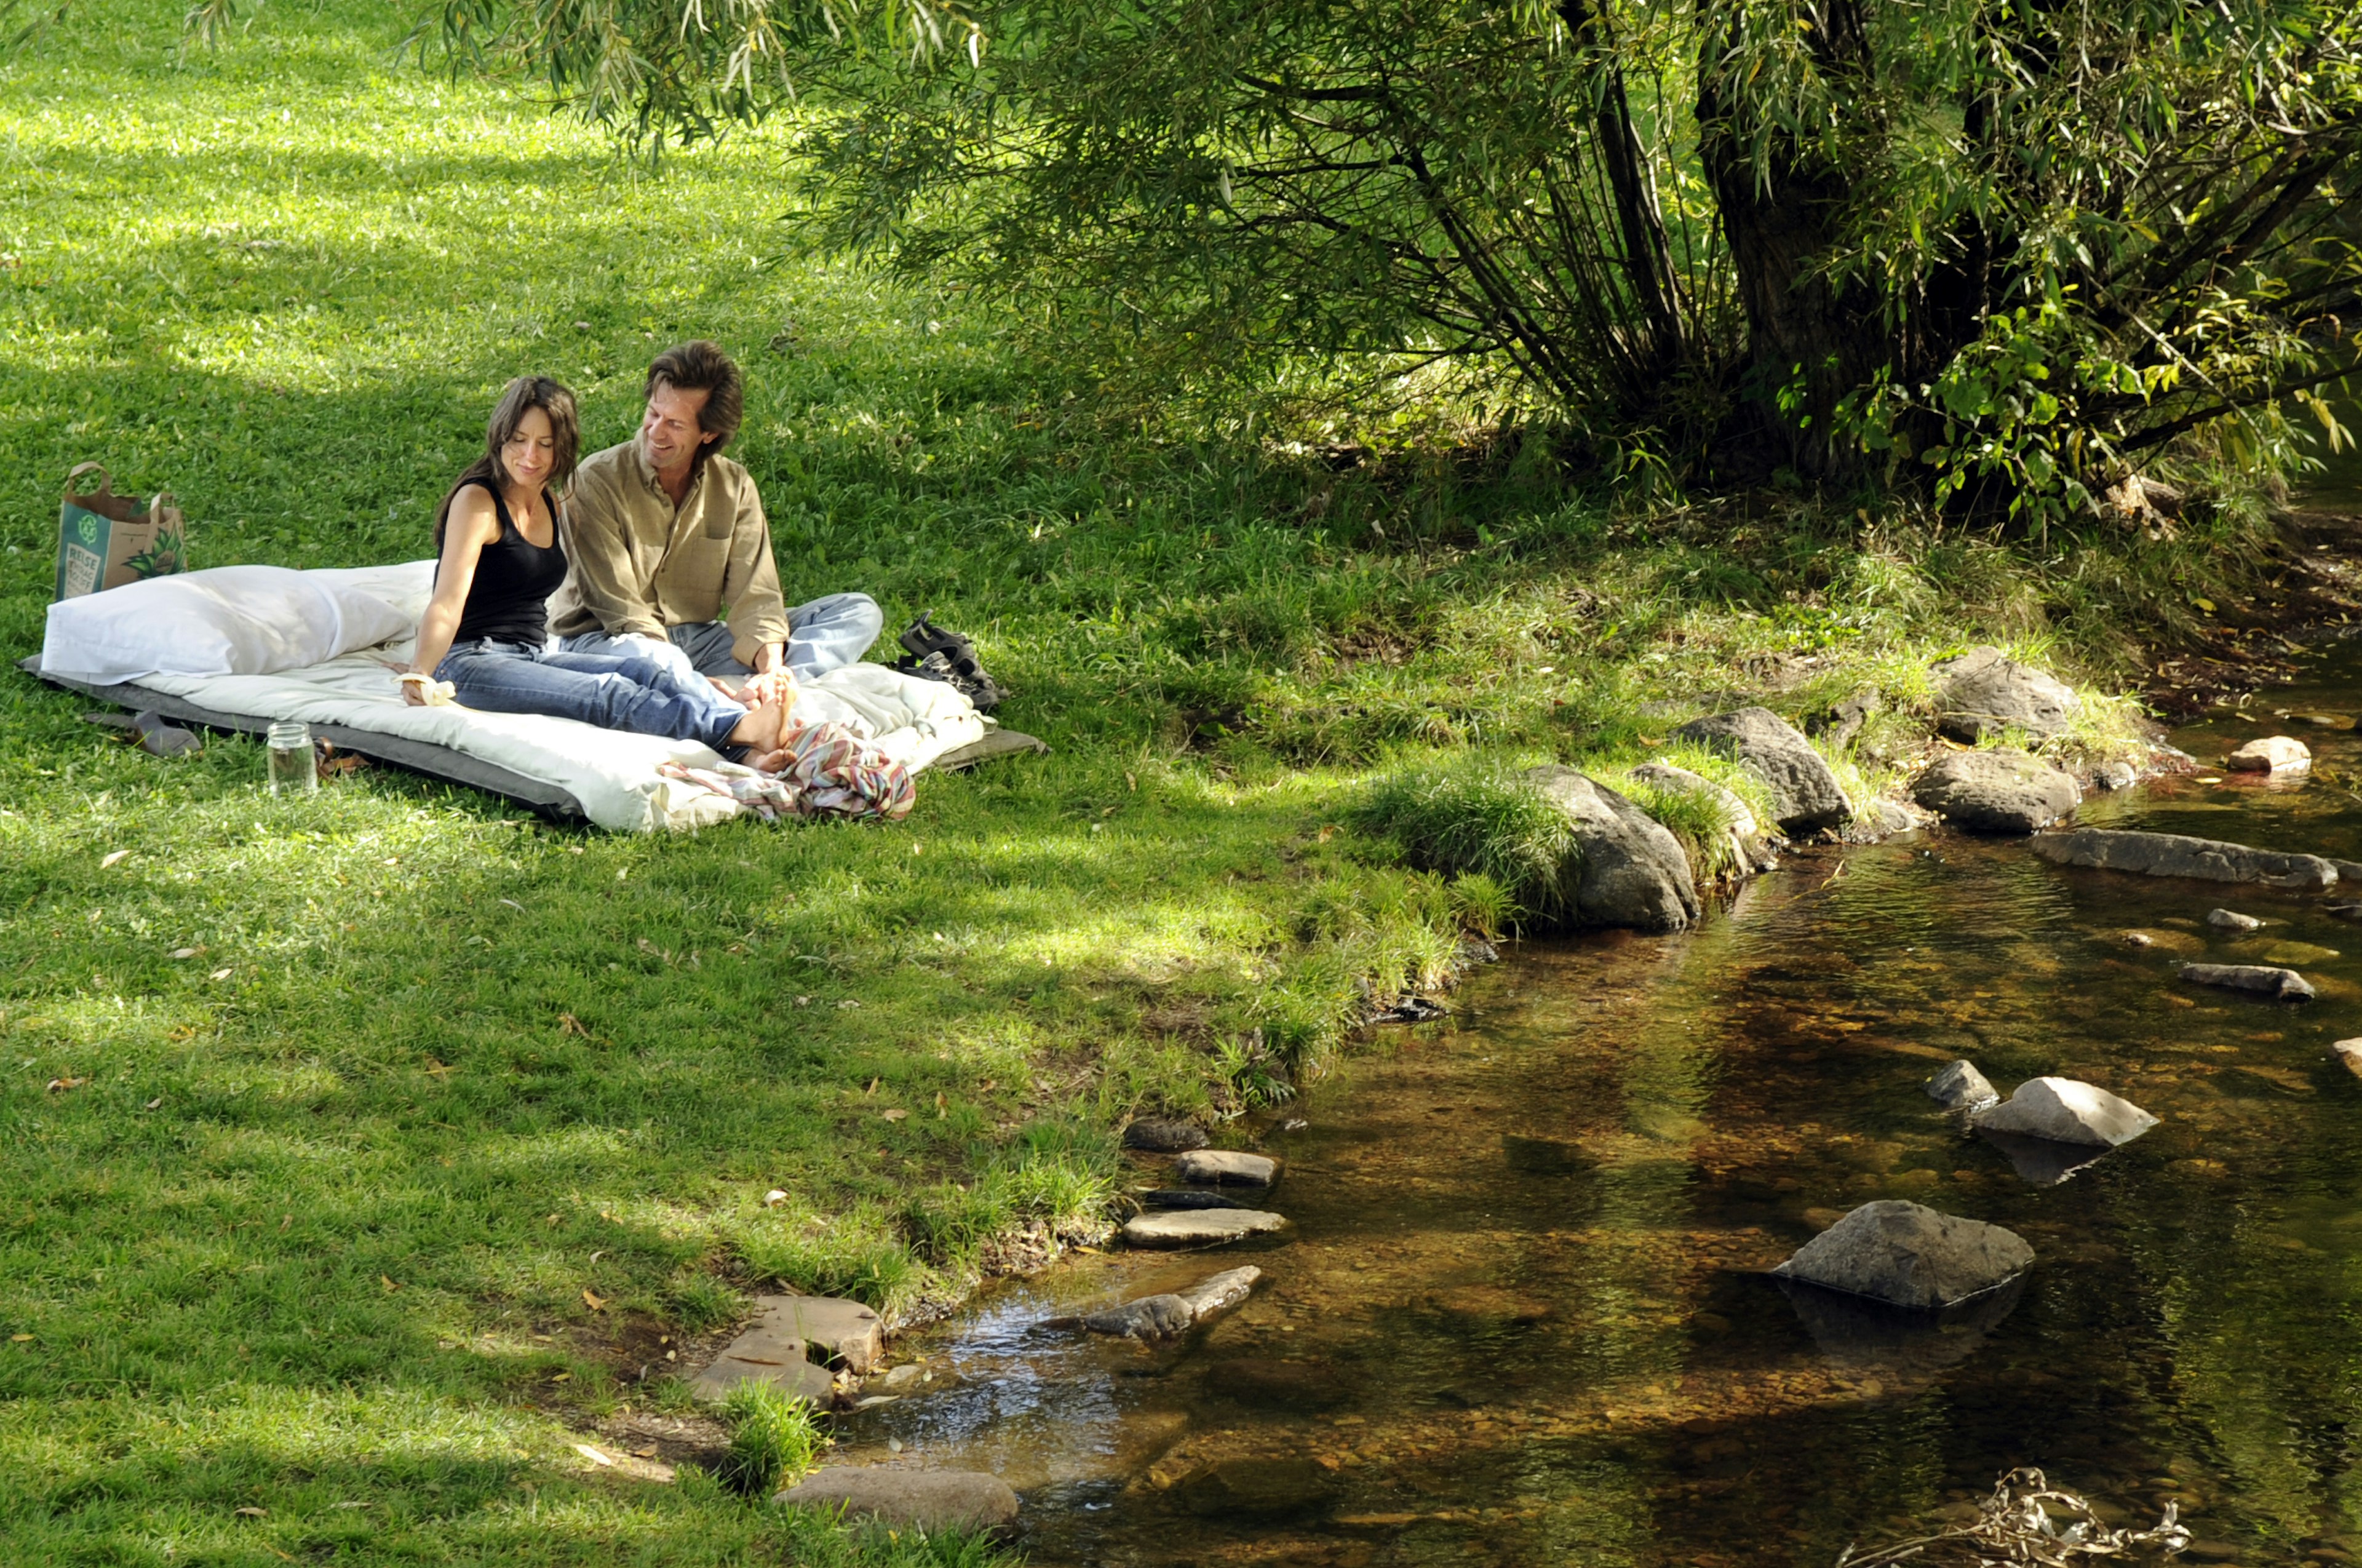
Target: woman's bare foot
x=760, y=730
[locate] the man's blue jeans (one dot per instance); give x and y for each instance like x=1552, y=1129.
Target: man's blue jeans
x=828, y=633
x=645, y=696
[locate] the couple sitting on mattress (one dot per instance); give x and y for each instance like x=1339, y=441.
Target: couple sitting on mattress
x=657, y=609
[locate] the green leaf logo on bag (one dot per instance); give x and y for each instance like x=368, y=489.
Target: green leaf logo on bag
x=87, y=526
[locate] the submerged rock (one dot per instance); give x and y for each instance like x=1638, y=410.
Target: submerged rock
x=1628, y=870
x=905, y=1498
x=1805, y=795
x=1909, y=1255
x=2273, y=754
x=1187, y=1197
x=1983, y=693
x=1163, y=1135
x=1226, y=1167
x=1959, y=1087
x=1279, y=1385
x=1740, y=831
x=2043, y=1162
x=2349, y=1053
x=2114, y=776
x=2232, y=919
x=1257, y=1488
x=2066, y=1110
x=1199, y=1227
x=2288, y=954
x=1545, y=1156
x=2262, y=978
x=2001, y=790
x=2177, y=854
x=2343, y=912
x=1858, y=1336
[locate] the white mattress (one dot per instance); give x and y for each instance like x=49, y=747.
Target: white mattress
x=612, y=774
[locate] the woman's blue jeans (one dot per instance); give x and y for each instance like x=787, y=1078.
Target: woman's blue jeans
x=645, y=696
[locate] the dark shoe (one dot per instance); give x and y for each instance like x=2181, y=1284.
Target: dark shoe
x=934, y=654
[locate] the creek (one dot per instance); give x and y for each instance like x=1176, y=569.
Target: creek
x=1522, y=1318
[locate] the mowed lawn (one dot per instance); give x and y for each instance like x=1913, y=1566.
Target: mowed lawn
x=392, y=1130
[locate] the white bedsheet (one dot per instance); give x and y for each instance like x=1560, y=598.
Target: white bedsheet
x=612, y=774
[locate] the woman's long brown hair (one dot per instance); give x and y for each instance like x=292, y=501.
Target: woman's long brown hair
x=522, y=395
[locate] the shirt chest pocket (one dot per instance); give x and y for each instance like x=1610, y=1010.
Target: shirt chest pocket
x=719, y=523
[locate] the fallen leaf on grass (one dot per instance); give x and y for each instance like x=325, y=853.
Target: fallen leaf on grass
x=185, y=951
x=437, y=1069
x=648, y=1453
x=803, y=1001
x=285, y=1220
x=942, y=1104
x=560, y=1377
x=872, y=1089
x=111, y=859
x=774, y=1197
x=153, y=1103
x=221, y=975
x=596, y=1303
x=849, y=1002
x=20, y=1338
x=592, y=1455
x=251, y=1512
x=515, y=905
x=60, y=1085
x=569, y=1024
x=894, y=1115
x=387, y=1281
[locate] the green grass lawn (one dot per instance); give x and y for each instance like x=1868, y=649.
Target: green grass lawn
x=320, y=1229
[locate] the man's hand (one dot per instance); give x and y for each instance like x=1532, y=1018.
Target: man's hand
x=768, y=686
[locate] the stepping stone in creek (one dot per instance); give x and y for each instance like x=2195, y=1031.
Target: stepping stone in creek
x=2232, y=919
x=2066, y=1110
x=2273, y=754
x=1909, y=1255
x=1200, y=1228
x=2177, y=854
x=907, y=1498
x=1163, y=1135
x=2261, y=979
x=773, y=1350
x=1959, y=1087
x=1226, y=1167
x=2349, y=1052
x=1163, y=1317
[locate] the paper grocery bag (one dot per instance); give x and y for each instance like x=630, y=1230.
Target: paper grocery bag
x=105, y=540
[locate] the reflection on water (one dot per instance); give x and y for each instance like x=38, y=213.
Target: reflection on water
x=1523, y=1319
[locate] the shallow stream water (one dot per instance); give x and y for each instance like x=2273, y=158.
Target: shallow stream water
x=1522, y=1317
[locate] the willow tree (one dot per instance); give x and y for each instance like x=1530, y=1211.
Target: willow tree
x=2010, y=246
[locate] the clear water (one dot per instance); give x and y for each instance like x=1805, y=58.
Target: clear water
x=1523, y=1318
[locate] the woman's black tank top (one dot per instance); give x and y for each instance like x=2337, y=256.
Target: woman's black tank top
x=508, y=599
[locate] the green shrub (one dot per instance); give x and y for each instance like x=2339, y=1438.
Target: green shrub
x=1480, y=817
x=774, y=1440
x=1482, y=905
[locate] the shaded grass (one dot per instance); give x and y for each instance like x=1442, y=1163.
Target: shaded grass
x=317, y=1226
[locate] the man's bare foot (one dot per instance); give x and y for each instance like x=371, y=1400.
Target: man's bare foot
x=760, y=730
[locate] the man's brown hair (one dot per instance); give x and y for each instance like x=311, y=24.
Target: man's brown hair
x=703, y=367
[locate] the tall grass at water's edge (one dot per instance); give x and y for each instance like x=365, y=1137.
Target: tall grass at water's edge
x=396, y=1132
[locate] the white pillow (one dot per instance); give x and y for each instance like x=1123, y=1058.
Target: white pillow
x=242, y=620
x=407, y=585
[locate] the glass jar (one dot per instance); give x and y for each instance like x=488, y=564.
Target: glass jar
x=289, y=746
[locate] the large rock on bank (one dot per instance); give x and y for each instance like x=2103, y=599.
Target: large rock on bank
x=905, y=1498
x=1740, y=831
x=1633, y=872
x=2067, y=1112
x=1805, y=795
x=1983, y=693
x=2001, y=790
x=2177, y=854
x=1909, y=1255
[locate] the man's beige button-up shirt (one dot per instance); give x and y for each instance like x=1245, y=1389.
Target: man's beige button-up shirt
x=639, y=564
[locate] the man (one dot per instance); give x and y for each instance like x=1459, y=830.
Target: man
x=668, y=547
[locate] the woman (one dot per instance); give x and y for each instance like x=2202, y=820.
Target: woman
x=499, y=560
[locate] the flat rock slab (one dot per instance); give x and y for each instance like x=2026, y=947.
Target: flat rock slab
x=2066, y=1110
x=1959, y=1087
x=1983, y=693
x=2264, y=979
x=1226, y=1167
x=1200, y=1228
x=907, y=1498
x=1163, y=1135
x=1909, y=1255
x=1174, y=1312
x=2232, y=919
x=1805, y=794
x=2001, y=790
x=2177, y=854
x=775, y=1349
x=2273, y=754
x=1625, y=869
